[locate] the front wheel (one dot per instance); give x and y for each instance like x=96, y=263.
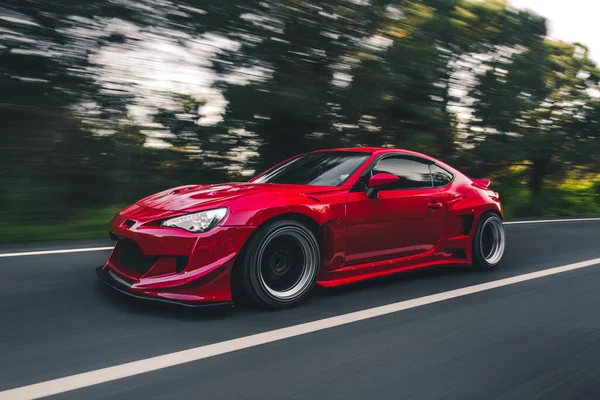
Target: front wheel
x=489, y=241
x=280, y=265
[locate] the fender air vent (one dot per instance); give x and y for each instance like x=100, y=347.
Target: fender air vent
x=467, y=224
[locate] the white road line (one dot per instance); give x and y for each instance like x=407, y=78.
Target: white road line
x=44, y=252
x=61, y=251
x=108, y=374
x=547, y=221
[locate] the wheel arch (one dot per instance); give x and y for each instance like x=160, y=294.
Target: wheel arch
x=492, y=209
x=306, y=220
x=497, y=212
x=478, y=259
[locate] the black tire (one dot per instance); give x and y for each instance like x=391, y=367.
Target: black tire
x=279, y=265
x=489, y=241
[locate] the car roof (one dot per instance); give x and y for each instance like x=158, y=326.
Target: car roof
x=378, y=150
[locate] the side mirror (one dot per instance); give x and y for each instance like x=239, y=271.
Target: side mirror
x=379, y=180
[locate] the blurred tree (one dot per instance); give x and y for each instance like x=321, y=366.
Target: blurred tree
x=279, y=82
x=39, y=81
x=52, y=161
x=536, y=108
x=408, y=91
x=209, y=146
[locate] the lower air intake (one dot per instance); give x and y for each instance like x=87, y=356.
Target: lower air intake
x=132, y=257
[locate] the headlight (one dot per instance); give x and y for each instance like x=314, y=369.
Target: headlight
x=197, y=222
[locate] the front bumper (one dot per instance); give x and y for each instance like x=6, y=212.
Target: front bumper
x=170, y=264
x=112, y=280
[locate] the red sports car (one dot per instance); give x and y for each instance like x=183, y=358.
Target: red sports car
x=324, y=218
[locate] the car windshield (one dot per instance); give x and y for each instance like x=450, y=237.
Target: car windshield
x=330, y=168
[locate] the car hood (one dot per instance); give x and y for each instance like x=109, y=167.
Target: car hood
x=200, y=196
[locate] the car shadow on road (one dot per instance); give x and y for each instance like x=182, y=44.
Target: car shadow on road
x=347, y=298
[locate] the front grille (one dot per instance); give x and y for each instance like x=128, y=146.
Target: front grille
x=132, y=257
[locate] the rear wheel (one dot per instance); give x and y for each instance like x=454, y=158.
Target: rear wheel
x=280, y=265
x=489, y=241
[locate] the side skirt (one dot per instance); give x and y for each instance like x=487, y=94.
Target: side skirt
x=347, y=275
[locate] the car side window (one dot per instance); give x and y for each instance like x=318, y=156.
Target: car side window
x=413, y=174
x=440, y=176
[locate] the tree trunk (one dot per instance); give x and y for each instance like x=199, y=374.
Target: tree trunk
x=536, y=185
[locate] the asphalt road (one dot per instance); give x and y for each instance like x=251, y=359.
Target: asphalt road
x=535, y=339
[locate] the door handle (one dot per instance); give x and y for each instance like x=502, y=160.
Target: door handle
x=434, y=205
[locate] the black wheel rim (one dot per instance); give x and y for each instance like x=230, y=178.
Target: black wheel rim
x=287, y=263
x=282, y=264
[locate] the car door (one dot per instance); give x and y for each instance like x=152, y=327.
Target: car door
x=404, y=219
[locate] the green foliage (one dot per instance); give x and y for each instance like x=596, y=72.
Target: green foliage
x=565, y=200
x=476, y=83
x=538, y=106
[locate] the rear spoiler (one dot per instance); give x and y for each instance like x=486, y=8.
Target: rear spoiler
x=483, y=183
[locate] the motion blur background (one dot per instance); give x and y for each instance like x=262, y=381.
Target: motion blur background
x=106, y=101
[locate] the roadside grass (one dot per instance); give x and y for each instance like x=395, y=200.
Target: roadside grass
x=569, y=198
x=85, y=224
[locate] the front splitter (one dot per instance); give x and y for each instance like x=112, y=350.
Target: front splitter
x=122, y=287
